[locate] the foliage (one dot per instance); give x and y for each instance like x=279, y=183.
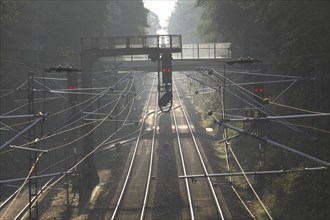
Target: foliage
x=126, y=18
x=37, y=34
x=7, y=10
x=184, y=20
x=153, y=22
x=294, y=36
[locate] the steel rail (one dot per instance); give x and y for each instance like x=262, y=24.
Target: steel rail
x=192, y=215
x=150, y=162
x=22, y=214
x=215, y=198
x=44, y=187
x=124, y=188
x=2, y=205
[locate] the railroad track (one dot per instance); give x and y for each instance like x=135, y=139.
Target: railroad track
x=201, y=195
x=139, y=197
x=155, y=163
x=16, y=213
x=130, y=201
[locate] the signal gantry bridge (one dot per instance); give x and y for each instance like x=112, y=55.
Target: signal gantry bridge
x=130, y=45
x=160, y=48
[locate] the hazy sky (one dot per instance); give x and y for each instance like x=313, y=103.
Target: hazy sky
x=162, y=8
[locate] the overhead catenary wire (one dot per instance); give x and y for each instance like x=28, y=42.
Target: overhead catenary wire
x=265, y=172
x=260, y=109
x=132, y=160
x=318, y=114
x=48, y=89
x=23, y=184
x=14, y=90
x=71, y=129
x=91, y=101
x=200, y=156
x=227, y=147
x=306, y=126
x=108, y=137
x=89, y=154
x=284, y=91
x=88, y=132
x=7, y=143
x=24, y=144
x=249, y=183
x=251, y=93
x=265, y=139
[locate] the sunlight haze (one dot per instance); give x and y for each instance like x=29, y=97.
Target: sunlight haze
x=163, y=8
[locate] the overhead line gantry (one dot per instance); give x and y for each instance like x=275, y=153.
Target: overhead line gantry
x=158, y=48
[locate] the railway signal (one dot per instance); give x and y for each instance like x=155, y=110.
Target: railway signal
x=165, y=96
x=72, y=86
x=72, y=81
x=165, y=99
x=167, y=68
x=72, y=77
x=258, y=91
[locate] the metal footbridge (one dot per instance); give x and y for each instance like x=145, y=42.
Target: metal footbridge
x=128, y=47
x=132, y=51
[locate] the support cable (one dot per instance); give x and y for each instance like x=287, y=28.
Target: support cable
x=24, y=183
x=265, y=139
x=251, y=187
x=68, y=130
x=42, y=118
x=300, y=109
x=284, y=91
x=263, y=110
x=14, y=90
x=90, y=131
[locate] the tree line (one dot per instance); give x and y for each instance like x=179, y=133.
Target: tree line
x=292, y=38
x=55, y=27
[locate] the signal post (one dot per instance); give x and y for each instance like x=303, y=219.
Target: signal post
x=165, y=96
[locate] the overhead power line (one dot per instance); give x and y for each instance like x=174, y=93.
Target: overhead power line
x=42, y=117
x=255, y=172
x=265, y=139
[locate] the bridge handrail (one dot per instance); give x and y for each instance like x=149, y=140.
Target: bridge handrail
x=137, y=41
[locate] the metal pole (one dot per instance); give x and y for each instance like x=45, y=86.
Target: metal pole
x=33, y=183
x=279, y=117
x=197, y=50
x=215, y=51
x=254, y=173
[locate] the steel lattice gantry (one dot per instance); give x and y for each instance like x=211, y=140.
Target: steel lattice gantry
x=156, y=46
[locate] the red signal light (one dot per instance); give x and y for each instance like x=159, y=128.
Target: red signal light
x=258, y=90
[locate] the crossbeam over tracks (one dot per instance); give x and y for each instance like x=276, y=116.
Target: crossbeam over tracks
x=131, y=45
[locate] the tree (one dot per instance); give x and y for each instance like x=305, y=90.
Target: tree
x=7, y=10
x=184, y=20
x=126, y=18
x=153, y=22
